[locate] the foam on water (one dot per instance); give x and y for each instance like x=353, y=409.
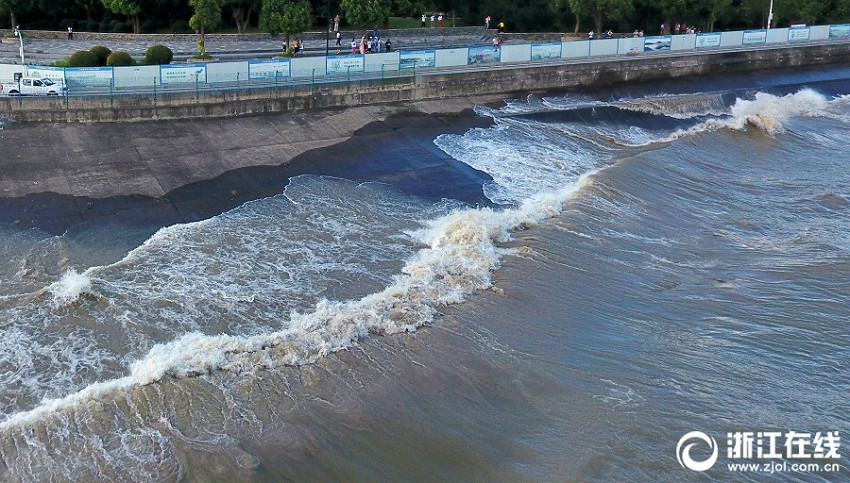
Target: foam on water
x=69, y=288
x=462, y=252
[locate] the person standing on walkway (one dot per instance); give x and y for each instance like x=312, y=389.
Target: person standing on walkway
x=423, y=20
x=338, y=37
x=440, y=21
x=336, y=25
x=70, y=33
x=389, y=45
x=487, y=22
x=432, y=20
x=353, y=46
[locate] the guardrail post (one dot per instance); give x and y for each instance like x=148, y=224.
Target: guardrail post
x=111, y=96
x=382, y=72
x=276, y=87
x=154, y=92
x=197, y=94
x=238, y=87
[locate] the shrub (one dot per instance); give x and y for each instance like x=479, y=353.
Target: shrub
x=120, y=58
x=60, y=63
x=83, y=58
x=181, y=26
x=117, y=26
x=101, y=52
x=158, y=54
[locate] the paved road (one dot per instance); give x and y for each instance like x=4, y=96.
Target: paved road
x=46, y=51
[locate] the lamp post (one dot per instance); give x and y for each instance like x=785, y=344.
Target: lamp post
x=328, y=32
x=770, y=15
x=21, y=39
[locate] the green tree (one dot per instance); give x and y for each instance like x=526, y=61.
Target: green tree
x=130, y=8
x=601, y=10
x=241, y=11
x=713, y=10
x=366, y=13
x=207, y=14
x=285, y=16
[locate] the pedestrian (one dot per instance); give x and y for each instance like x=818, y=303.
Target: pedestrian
x=353, y=46
x=336, y=24
x=389, y=45
x=440, y=21
x=590, y=35
x=70, y=34
x=338, y=37
x=375, y=32
x=495, y=42
x=423, y=20
x=487, y=22
x=432, y=20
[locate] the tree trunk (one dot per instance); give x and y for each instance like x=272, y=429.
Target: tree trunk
x=578, y=24
x=136, y=25
x=203, y=48
x=598, y=18
x=14, y=20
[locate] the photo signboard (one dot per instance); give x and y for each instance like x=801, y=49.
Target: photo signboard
x=547, y=51
x=798, y=33
x=483, y=55
x=708, y=40
x=343, y=64
x=182, y=73
x=269, y=69
x=52, y=73
x=89, y=76
x=656, y=44
x=418, y=58
x=754, y=37
x=839, y=31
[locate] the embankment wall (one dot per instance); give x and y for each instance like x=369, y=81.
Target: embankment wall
x=498, y=79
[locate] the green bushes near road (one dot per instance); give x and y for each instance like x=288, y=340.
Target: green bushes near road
x=101, y=52
x=120, y=58
x=158, y=54
x=100, y=56
x=83, y=58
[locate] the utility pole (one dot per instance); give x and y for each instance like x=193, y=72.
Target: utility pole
x=770, y=15
x=328, y=32
x=21, y=38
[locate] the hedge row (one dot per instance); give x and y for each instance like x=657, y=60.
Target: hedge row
x=99, y=56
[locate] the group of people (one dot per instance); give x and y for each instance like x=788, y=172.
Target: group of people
x=679, y=28
x=609, y=34
x=371, y=43
x=297, y=47
x=437, y=17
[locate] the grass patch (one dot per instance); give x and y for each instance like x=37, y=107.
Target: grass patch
x=202, y=56
x=61, y=63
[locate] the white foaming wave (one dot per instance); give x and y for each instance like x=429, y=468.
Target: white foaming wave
x=677, y=106
x=522, y=157
x=766, y=112
x=69, y=288
x=462, y=252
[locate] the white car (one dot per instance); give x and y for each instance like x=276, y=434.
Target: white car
x=34, y=86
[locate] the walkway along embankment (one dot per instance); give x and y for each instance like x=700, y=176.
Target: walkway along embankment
x=462, y=82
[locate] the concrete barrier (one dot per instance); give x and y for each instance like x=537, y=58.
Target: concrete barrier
x=498, y=79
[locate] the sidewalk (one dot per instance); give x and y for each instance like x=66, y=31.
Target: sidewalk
x=44, y=51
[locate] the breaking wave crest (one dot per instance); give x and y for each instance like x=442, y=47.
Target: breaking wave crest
x=462, y=249
x=766, y=112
